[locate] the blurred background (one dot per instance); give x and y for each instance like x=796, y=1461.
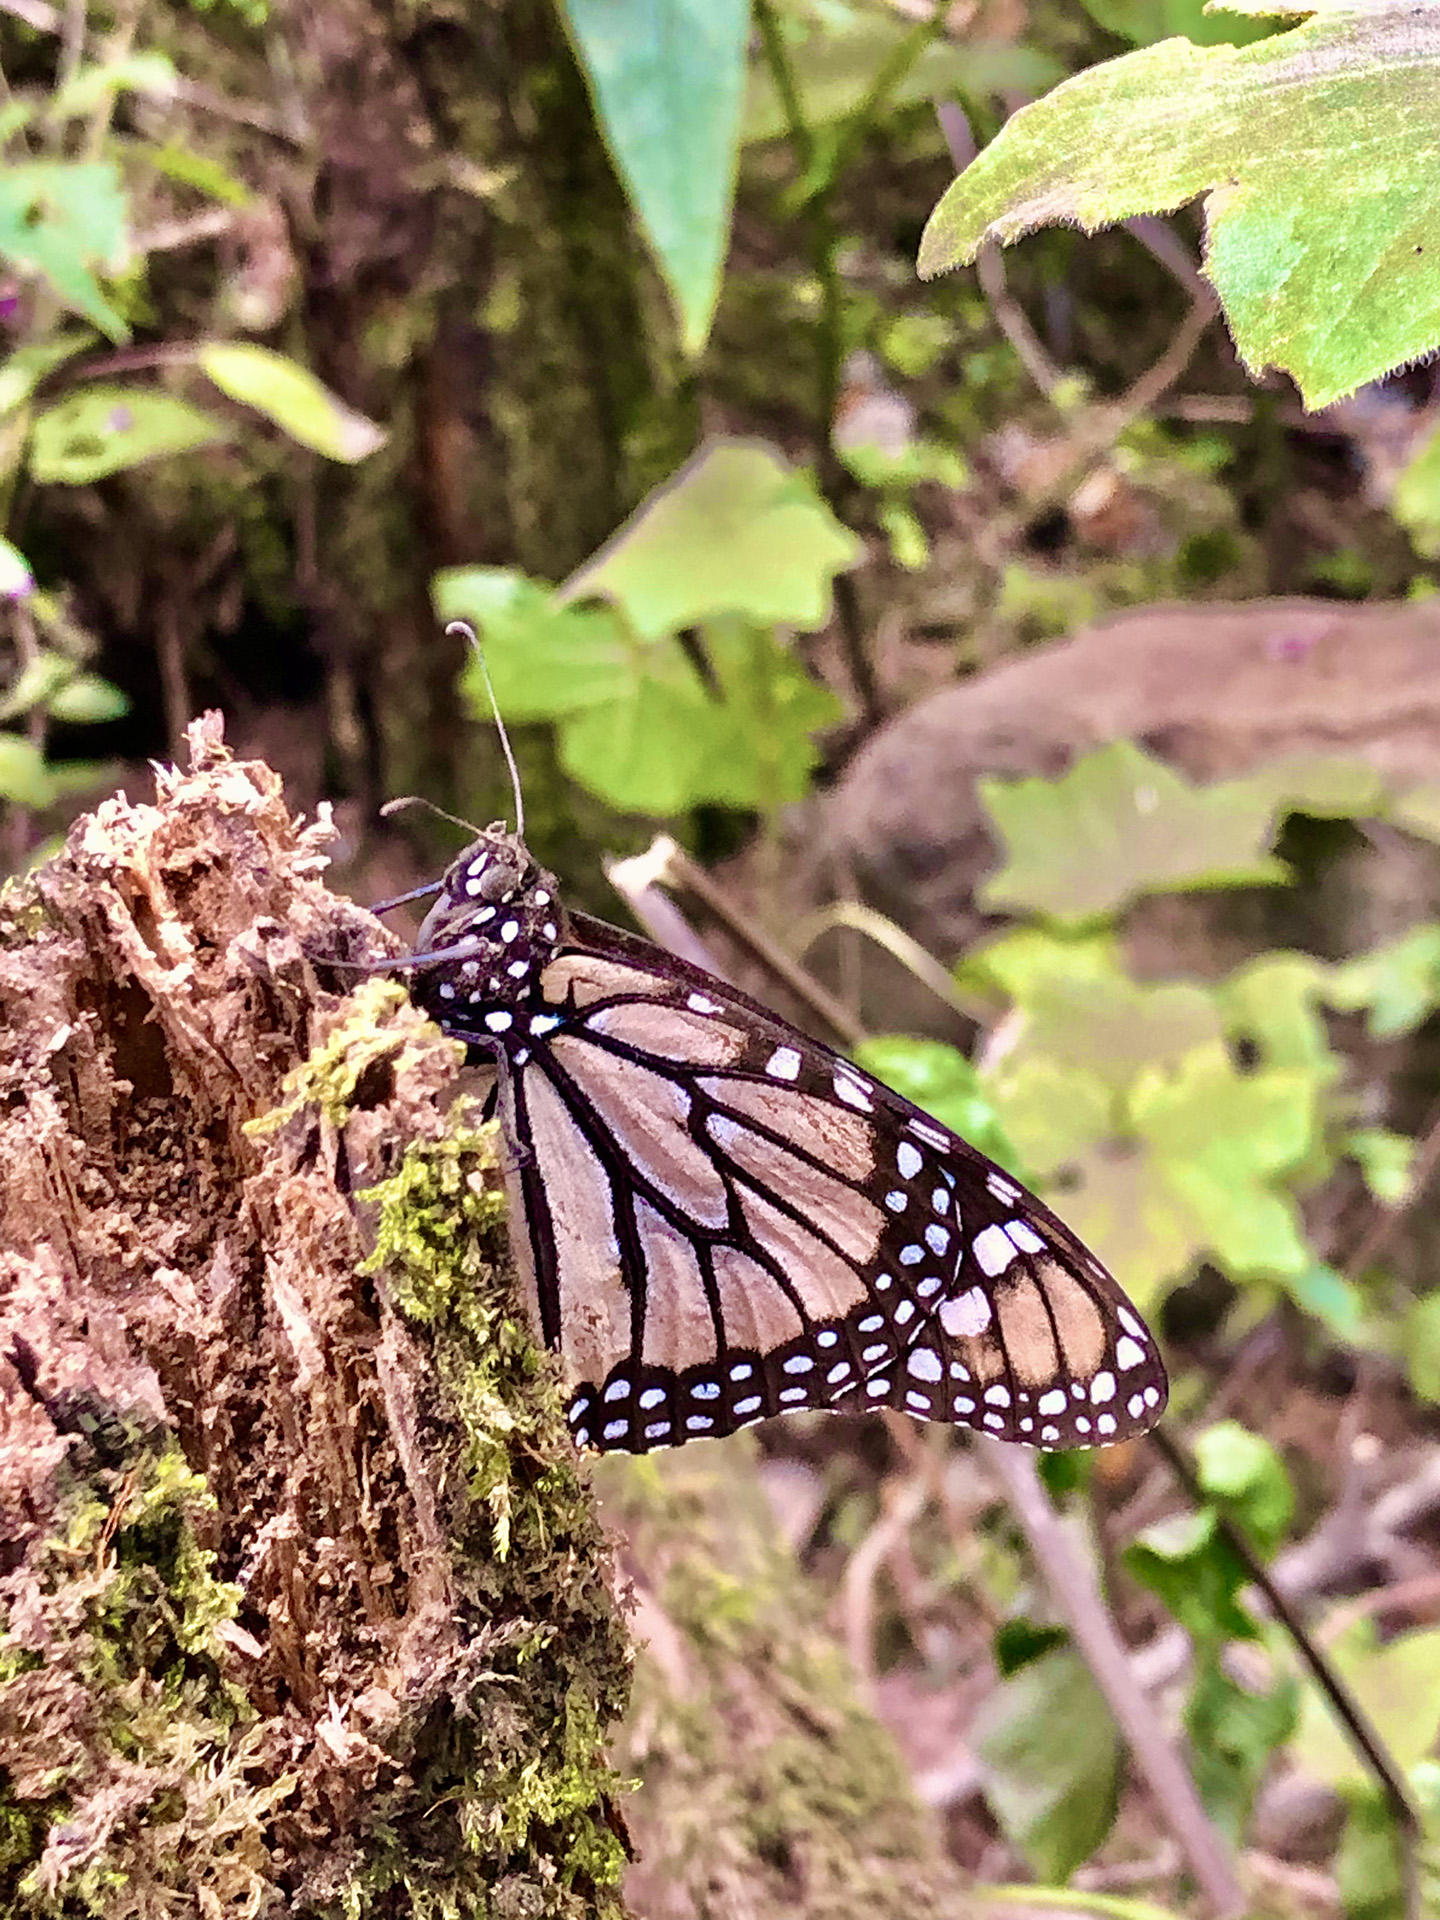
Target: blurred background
x=1061, y=697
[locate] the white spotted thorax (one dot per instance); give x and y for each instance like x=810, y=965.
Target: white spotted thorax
x=720, y=1219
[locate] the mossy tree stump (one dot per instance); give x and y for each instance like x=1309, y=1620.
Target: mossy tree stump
x=306, y=1607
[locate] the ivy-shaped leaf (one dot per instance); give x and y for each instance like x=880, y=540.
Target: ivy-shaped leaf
x=735, y=531
x=1118, y=825
x=1398, y=984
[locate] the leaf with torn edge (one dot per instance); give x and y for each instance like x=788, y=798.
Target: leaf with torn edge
x=1317, y=153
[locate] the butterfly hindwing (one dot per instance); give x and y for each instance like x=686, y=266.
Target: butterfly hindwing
x=724, y=1220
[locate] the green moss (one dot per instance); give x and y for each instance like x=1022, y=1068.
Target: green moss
x=365, y=1044
x=527, y=1784
x=125, y=1695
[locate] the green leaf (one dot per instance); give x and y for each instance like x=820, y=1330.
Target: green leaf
x=1337, y=1303
x=944, y=1083
x=1114, y=1029
x=1054, y=1113
x=24, y=776
x=101, y=429
x=1328, y=786
x=544, y=659
x=92, y=87
x=1217, y=1138
x=1415, y=502
x=1025, y=960
x=86, y=700
x=668, y=81
x=1398, y=984
x=673, y=743
x=1192, y=1567
x=1398, y=1686
x=292, y=397
x=36, y=683
x=1243, y=1473
x=1118, y=825
x=1233, y=1735
x=1050, y=1758
x=1273, y=1002
x=64, y=220
x=22, y=371
x=1019, y=1641
x=735, y=531
x=1330, y=271
x=1421, y=1346
x=1387, y=1161
x=202, y=172
x=1143, y=22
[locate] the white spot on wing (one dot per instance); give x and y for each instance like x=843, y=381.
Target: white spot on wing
x=1129, y=1354
x=908, y=1160
x=852, y=1093
x=1052, y=1402
x=994, y=1249
x=784, y=1064
x=923, y=1363
x=1102, y=1388
x=966, y=1316
x=1025, y=1236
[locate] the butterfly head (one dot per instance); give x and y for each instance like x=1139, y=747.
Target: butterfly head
x=492, y=930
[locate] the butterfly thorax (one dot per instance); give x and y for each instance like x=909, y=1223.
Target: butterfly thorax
x=495, y=926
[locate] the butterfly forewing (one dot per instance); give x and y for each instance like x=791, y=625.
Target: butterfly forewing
x=725, y=1220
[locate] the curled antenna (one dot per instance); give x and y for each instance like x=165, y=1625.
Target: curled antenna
x=462, y=626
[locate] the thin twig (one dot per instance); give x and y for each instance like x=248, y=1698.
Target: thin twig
x=668, y=864
x=1347, y=1709
x=823, y=246
x=1074, y=1594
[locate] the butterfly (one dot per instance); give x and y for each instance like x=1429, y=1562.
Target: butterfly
x=717, y=1219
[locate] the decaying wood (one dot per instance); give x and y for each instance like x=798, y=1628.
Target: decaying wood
x=305, y=1597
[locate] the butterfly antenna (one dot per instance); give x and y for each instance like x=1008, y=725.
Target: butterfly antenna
x=462, y=626
x=419, y=800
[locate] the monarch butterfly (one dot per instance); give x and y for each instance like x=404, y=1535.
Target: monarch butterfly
x=720, y=1219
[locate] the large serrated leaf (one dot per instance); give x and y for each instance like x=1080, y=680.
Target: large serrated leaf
x=1318, y=156
x=668, y=81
